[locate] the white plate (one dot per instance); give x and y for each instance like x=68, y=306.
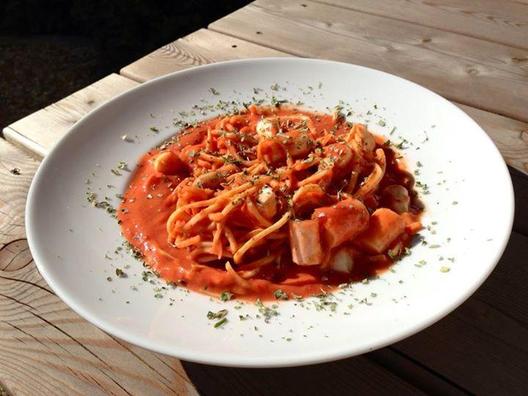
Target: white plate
x=469, y=213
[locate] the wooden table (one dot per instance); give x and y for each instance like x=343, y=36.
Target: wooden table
x=473, y=52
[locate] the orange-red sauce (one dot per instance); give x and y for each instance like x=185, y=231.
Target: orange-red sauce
x=148, y=203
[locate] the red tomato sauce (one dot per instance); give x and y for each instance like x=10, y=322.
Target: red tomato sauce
x=148, y=203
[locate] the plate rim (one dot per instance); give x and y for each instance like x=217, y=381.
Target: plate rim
x=261, y=362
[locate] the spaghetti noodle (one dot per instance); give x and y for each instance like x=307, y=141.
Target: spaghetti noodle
x=271, y=198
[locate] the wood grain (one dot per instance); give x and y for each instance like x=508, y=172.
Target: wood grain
x=201, y=47
x=16, y=173
x=41, y=130
x=358, y=375
x=503, y=22
x=468, y=70
x=47, y=348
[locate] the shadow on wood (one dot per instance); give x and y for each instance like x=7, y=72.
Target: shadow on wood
x=486, y=334
x=358, y=374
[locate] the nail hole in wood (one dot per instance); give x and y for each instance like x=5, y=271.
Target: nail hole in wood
x=472, y=71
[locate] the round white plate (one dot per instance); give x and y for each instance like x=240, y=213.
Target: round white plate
x=468, y=198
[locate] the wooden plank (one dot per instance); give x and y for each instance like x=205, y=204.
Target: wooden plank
x=28, y=145
x=41, y=130
x=520, y=185
x=16, y=172
x=357, y=375
x=433, y=383
x=503, y=22
x=381, y=29
x=336, y=378
x=45, y=348
x=198, y=48
x=471, y=71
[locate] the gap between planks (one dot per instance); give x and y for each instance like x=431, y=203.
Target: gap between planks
x=502, y=22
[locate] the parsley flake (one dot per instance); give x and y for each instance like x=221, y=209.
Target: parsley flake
x=226, y=296
x=280, y=295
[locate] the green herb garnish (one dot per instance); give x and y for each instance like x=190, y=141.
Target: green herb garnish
x=267, y=312
x=220, y=323
x=217, y=315
x=280, y=295
x=226, y=296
